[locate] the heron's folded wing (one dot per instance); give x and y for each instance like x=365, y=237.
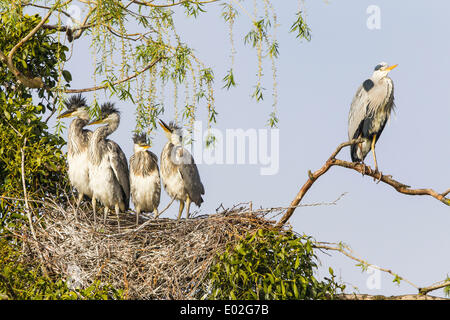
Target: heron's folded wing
x=358, y=112
x=119, y=165
x=192, y=183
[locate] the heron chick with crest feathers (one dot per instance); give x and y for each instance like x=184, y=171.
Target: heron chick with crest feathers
x=108, y=165
x=179, y=172
x=144, y=177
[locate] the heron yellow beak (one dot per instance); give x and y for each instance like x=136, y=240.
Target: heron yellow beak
x=96, y=122
x=391, y=67
x=164, y=126
x=64, y=115
x=145, y=147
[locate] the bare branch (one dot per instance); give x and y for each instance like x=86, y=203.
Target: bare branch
x=347, y=251
x=363, y=169
x=27, y=206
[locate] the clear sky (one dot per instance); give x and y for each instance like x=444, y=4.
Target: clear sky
x=316, y=83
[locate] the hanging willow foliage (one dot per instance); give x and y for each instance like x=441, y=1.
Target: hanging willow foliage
x=127, y=38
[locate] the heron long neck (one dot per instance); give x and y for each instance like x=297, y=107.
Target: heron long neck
x=98, y=144
x=78, y=140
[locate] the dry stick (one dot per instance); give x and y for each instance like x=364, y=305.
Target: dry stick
x=27, y=206
x=142, y=225
x=361, y=168
x=28, y=209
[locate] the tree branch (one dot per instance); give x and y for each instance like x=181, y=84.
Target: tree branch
x=363, y=169
x=8, y=60
x=150, y=65
x=347, y=251
x=437, y=286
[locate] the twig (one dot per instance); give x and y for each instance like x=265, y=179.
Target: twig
x=347, y=251
x=27, y=206
x=142, y=226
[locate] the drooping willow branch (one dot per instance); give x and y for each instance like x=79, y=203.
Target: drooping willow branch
x=363, y=169
x=150, y=65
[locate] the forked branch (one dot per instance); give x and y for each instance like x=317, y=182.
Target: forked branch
x=363, y=169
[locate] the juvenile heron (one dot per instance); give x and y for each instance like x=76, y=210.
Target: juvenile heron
x=78, y=141
x=144, y=177
x=179, y=172
x=108, y=165
x=370, y=110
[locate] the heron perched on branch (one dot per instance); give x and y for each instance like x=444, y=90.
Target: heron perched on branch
x=108, y=165
x=78, y=142
x=179, y=172
x=144, y=177
x=370, y=110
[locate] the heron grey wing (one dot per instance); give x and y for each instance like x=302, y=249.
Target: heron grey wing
x=119, y=164
x=192, y=183
x=87, y=135
x=358, y=112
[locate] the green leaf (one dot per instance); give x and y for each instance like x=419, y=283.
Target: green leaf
x=67, y=75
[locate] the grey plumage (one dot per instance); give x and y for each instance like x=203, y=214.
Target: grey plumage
x=145, y=180
x=369, y=112
x=78, y=141
x=179, y=172
x=108, y=165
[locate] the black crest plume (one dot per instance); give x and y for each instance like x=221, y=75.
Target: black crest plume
x=140, y=138
x=108, y=108
x=75, y=102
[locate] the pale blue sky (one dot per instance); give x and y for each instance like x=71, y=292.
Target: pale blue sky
x=316, y=83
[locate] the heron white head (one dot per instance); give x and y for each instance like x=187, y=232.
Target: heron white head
x=109, y=115
x=381, y=70
x=76, y=107
x=173, y=132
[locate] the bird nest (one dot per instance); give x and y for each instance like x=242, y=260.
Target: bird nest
x=160, y=259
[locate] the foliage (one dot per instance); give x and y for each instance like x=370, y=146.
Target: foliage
x=21, y=124
x=23, y=281
x=269, y=265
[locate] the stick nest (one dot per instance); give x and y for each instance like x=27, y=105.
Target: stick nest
x=160, y=259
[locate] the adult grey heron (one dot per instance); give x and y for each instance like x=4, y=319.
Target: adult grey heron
x=145, y=181
x=370, y=110
x=78, y=141
x=179, y=172
x=108, y=165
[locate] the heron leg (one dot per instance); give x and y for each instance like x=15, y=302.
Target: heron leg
x=105, y=214
x=94, y=203
x=156, y=213
x=180, y=211
x=117, y=207
x=188, y=202
x=80, y=197
x=375, y=157
x=373, y=152
x=138, y=211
